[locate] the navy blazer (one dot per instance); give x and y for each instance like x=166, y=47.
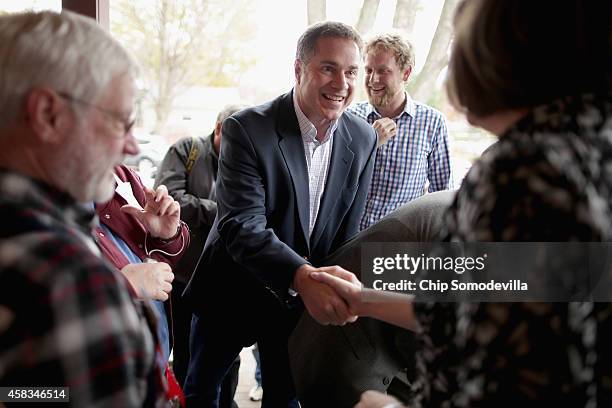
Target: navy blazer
x=260, y=235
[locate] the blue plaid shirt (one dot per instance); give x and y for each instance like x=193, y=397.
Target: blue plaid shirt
x=418, y=153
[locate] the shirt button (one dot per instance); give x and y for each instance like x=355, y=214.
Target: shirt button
x=101, y=234
x=139, y=245
x=107, y=216
x=386, y=381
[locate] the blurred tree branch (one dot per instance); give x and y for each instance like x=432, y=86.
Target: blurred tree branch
x=437, y=57
x=316, y=10
x=180, y=43
x=367, y=16
x=405, y=16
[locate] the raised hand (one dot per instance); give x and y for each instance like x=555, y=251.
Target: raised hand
x=161, y=214
x=321, y=301
x=151, y=280
x=385, y=129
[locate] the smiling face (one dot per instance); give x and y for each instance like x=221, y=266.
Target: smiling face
x=384, y=80
x=325, y=83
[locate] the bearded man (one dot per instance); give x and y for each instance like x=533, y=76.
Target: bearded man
x=416, y=158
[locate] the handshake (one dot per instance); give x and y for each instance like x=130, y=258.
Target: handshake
x=331, y=294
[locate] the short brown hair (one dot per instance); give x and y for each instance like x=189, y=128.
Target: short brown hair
x=308, y=41
x=401, y=49
x=519, y=53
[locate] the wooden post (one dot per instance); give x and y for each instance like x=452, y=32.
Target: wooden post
x=96, y=9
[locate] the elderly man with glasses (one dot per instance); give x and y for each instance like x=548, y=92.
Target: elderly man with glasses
x=67, y=318
x=119, y=118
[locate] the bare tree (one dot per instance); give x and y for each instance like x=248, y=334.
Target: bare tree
x=437, y=58
x=405, y=16
x=316, y=11
x=367, y=16
x=179, y=43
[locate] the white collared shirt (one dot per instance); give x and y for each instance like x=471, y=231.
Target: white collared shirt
x=318, y=155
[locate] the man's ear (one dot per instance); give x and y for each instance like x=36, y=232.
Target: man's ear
x=47, y=114
x=406, y=74
x=297, y=68
x=218, y=126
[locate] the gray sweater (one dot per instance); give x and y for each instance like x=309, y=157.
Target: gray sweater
x=194, y=190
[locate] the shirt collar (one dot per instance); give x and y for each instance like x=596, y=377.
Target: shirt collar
x=307, y=129
x=409, y=108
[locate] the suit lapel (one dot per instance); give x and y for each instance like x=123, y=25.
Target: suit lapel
x=339, y=166
x=292, y=149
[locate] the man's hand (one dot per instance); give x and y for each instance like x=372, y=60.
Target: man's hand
x=161, y=214
x=397, y=310
x=375, y=399
x=321, y=301
x=344, y=283
x=385, y=129
x=151, y=280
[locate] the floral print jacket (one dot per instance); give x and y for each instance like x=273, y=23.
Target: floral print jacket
x=548, y=178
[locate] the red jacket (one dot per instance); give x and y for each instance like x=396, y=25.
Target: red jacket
x=134, y=234
x=132, y=231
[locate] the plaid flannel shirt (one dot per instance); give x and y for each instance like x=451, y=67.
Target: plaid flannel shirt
x=419, y=153
x=66, y=317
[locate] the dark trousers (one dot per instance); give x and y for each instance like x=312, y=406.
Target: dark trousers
x=181, y=327
x=229, y=385
x=216, y=342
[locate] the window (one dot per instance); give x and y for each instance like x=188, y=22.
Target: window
x=199, y=55
x=13, y=6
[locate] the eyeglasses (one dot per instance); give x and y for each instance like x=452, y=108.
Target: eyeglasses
x=127, y=124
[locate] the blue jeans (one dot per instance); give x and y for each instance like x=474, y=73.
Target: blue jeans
x=162, y=329
x=257, y=365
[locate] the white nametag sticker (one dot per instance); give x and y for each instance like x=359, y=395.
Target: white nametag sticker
x=124, y=189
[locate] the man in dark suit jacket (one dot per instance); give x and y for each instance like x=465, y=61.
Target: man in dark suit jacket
x=293, y=178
